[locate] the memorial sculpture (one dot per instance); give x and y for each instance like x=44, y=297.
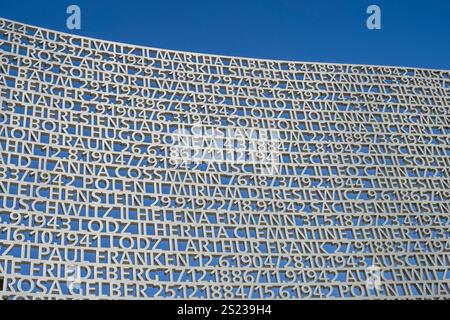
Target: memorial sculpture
x=129, y=172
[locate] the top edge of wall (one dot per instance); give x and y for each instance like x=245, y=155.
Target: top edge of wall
x=216, y=55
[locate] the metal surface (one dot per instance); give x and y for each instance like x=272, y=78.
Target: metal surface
x=129, y=172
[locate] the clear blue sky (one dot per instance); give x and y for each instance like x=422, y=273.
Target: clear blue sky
x=414, y=33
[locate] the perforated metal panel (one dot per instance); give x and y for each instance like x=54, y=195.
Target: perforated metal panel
x=129, y=172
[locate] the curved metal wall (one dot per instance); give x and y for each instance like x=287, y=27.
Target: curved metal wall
x=134, y=172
